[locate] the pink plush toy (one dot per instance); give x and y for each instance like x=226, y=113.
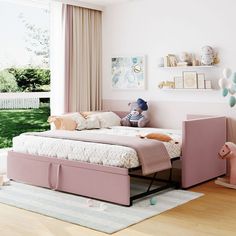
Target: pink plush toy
x=228, y=151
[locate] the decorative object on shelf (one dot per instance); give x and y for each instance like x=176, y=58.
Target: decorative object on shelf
x=190, y=79
x=201, y=81
x=166, y=61
x=182, y=64
x=228, y=85
x=208, y=84
x=216, y=59
x=161, y=62
x=184, y=57
x=172, y=60
x=207, y=55
x=128, y=72
x=179, y=83
x=166, y=84
x=195, y=62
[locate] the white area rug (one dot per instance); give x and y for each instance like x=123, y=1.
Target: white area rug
x=104, y=217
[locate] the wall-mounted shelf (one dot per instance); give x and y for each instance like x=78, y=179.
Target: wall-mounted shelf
x=189, y=90
x=187, y=67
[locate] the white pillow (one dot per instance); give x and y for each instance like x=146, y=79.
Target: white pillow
x=92, y=123
x=78, y=118
x=106, y=119
x=87, y=123
x=81, y=123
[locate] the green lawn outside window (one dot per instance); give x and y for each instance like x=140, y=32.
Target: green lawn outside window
x=15, y=122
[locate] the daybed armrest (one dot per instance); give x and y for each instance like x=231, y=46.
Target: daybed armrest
x=202, y=139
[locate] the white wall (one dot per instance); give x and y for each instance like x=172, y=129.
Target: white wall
x=57, y=99
x=158, y=27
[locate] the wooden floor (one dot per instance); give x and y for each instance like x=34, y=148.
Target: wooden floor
x=212, y=214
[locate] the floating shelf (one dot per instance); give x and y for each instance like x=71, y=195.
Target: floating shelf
x=187, y=67
x=189, y=90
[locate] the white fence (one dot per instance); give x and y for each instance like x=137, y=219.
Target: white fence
x=21, y=100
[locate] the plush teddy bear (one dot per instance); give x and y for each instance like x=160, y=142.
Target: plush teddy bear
x=136, y=118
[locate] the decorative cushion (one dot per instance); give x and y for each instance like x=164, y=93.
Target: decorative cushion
x=62, y=123
x=65, y=122
x=106, y=119
x=88, y=123
x=158, y=136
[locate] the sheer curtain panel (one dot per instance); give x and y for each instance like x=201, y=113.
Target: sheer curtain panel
x=83, y=58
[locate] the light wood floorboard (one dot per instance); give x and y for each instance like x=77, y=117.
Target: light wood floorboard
x=212, y=214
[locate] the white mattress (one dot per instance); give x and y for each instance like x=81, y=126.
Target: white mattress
x=97, y=153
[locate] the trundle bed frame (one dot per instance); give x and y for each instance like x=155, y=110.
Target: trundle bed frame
x=201, y=140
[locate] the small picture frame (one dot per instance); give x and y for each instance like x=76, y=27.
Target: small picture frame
x=208, y=84
x=179, y=83
x=201, y=81
x=190, y=79
x=172, y=60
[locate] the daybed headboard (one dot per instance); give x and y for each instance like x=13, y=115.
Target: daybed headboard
x=170, y=114
x=121, y=114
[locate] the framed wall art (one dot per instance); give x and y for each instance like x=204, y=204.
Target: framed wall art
x=190, y=79
x=128, y=72
x=208, y=84
x=201, y=81
x=179, y=83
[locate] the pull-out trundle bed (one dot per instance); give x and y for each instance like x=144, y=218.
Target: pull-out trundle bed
x=201, y=140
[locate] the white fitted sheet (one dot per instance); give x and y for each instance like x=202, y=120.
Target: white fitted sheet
x=97, y=153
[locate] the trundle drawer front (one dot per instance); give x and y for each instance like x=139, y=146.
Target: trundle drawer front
x=28, y=171
x=90, y=180
x=102, y=185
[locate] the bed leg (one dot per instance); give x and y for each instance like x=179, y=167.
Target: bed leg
x=170, y=175
x=153, y=178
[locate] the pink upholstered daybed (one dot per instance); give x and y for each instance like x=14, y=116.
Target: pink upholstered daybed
x=201, y=140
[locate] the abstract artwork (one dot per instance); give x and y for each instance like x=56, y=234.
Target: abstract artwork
x=128, y=72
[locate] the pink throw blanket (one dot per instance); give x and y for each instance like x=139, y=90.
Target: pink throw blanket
x=152, y=154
